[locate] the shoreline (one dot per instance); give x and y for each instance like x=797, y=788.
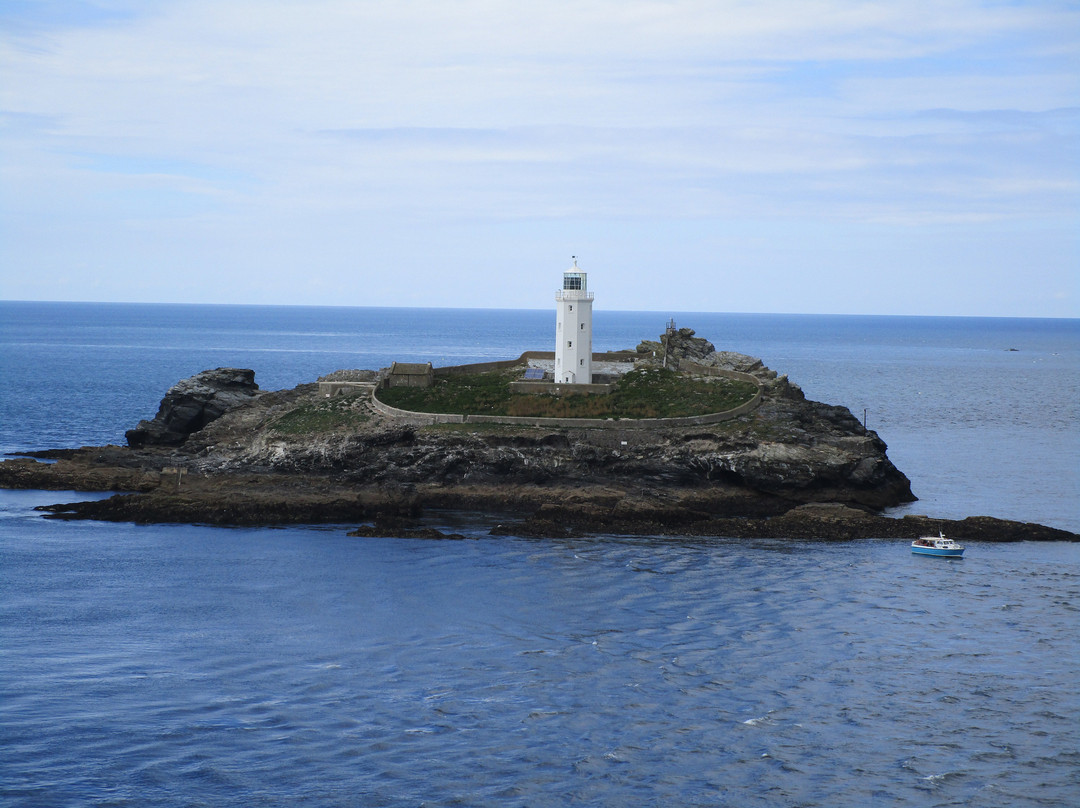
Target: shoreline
x=408, y=511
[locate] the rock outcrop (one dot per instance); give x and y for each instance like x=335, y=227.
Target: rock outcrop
x=812, y=522
x=221, y=451
x=191, y=404
x=674, y=346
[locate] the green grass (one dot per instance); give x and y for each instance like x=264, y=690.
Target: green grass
x=328, y=415
x=659, y=393
x=642, y=393
x=481, y=393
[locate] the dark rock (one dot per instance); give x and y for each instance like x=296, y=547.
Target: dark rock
x=401, y=528
x=84, y=471
x=813, y=521
x=730, y=360
x=675, y=346
x=193, y=403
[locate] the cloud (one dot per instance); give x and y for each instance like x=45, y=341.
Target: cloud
x=284, y=121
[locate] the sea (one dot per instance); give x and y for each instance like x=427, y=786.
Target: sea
x=189, y=665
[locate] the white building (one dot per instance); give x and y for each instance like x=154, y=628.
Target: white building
x=573, y=329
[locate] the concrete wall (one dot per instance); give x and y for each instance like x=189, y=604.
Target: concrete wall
x=331, y=389
x=416, y=418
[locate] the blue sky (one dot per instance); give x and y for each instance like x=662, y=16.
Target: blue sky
x=818, y=156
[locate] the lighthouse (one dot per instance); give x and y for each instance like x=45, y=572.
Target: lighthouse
x=573, y=329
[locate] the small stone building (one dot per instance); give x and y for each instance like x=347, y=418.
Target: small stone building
x=410, y=374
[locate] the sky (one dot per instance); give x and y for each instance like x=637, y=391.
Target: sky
x=819, y=156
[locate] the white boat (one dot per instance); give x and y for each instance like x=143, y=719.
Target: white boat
x=937, y=546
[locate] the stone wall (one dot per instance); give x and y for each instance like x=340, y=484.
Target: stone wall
x=410, y=374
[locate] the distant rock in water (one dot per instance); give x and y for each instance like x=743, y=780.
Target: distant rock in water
x=191, y=404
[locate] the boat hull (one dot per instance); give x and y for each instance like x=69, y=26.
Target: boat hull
x=939, y=551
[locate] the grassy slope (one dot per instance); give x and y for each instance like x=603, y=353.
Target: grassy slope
x=322, y=416
x=642, y=393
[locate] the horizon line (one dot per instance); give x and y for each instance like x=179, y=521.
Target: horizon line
x=534, y=308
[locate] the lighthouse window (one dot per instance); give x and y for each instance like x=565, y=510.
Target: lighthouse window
x=581, y=362
x=571, y=282
x=583, y=326
x=571, y=307
x=569, y=343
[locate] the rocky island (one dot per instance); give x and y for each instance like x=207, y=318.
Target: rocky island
x=222, y=451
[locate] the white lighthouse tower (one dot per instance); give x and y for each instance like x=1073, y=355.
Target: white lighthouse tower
x=573, y=329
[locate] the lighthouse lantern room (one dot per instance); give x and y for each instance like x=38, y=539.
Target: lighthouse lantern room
x=573, y=329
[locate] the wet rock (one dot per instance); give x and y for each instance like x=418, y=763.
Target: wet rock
x=401, y=528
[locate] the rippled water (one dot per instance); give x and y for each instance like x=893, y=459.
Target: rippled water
x=201, y=666
x=183, y=665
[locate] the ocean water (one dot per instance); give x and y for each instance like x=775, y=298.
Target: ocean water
x=183, y=665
